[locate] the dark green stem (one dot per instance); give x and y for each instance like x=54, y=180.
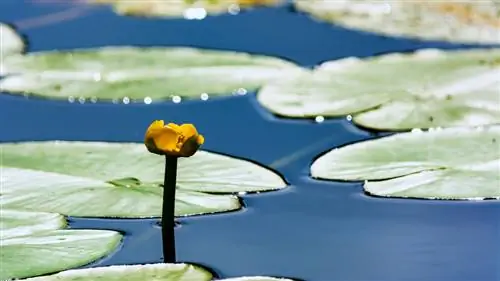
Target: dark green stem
x=168, y=210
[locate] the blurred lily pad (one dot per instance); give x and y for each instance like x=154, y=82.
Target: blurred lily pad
x=429, y=88
x=139, y=74
x=10, y=41
x=121, y=180
x=157, y=272
x=188, y=9
x=34, y=243
x=466, y=21
x=453, y=163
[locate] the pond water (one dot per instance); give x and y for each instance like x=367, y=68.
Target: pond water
x=313, y=230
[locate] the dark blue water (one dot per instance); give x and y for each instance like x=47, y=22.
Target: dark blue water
x=313, y=230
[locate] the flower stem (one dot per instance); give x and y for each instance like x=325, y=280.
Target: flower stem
x=168, y=210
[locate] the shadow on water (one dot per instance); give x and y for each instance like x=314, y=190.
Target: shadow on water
x=313, y=230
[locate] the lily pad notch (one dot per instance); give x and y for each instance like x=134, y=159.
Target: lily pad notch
x=37, y=243
x=65, y=177
x=70, y=175
x=446, y=164
x=395, y=92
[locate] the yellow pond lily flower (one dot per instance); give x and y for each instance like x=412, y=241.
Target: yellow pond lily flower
x=172, y=139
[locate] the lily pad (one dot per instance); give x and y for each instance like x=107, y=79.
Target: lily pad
x=34, y=243
x=23, y=223
x=157, y=272
x=188, y=9
x=429, y=88
x=453, y=163
x=139, y=74
x=466, y=21
x=10, y=42
x=122, y=180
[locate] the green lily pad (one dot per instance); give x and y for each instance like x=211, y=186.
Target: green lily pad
x=139, y=74
x=122, y=180
x=23, y=223
x=10, y=42
x=187, y=9
x=157, y=272
x=426, y=89
x=453, y=163
x=465, y=21
x=34, y=243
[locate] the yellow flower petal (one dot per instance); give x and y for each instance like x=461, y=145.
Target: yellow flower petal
x=167, y=140
x=152, y=132
x=190, y=146
x=157, y=124
x=174, y=126
x=172, y=139
x=188, y=130
x=200, y=139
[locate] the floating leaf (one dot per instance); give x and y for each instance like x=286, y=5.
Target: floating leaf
x=188, y=9
x=22, y=223
x=453, y=163
x=427, y=89
x=10, y=42
x=177, y=272
x=157, y=272
x=139, y=73
x=33, y=243
x=121, y=180
x=467, y=21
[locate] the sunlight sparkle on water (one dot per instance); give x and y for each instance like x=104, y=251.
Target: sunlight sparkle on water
x=240, y=92
x=233, y=9
x=319, y=119
x=176, y=99
x=195, y=13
